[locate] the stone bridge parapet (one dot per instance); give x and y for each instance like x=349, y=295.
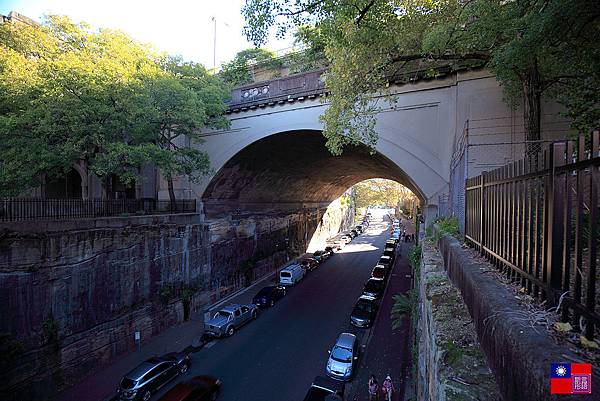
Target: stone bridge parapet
x=277, y=91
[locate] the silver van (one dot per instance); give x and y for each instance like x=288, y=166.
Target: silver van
x=291, y=274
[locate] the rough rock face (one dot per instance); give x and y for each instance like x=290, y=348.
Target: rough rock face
x=74, y=294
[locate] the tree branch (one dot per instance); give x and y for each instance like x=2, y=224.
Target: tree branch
x=364, y=12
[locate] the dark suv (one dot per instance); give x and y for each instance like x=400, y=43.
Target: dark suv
x=151, y=375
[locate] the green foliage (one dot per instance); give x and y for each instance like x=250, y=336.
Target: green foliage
x=533, y=48
x=404, y=304
x=447, y=225
x=378, y=191
x=69, y=93
x=171, y=291
x=239, y=70
x=414, y=256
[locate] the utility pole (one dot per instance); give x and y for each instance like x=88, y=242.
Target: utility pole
x=214, y=19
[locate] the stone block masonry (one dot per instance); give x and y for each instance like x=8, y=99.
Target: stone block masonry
x=73, y=293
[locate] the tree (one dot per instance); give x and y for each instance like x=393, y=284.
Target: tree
x=379, y=191
x=69, y=94
x=239, y=70
x=534, y=47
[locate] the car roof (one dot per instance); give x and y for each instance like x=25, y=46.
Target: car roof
x=266, y=289
x=366, y=298
x=141, y=369
x=231, y=308
x=346, y=340
x=384, y=257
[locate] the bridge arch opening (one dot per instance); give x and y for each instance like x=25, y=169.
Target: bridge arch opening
x=291, y=169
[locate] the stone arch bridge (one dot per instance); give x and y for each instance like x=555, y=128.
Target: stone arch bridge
x=273, y=156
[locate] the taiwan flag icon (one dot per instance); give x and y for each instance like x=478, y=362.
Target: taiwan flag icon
x=571, y=378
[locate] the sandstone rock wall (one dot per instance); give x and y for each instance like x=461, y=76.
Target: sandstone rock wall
x=74, y=293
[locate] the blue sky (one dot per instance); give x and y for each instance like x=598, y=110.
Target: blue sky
x=181, y=27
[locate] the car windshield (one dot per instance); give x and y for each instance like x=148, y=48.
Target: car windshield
x=341, y=354
x=222, y=313
x=127, y=383
x=318, y=253
x=363, y=306
x=373, y=285
x=286, y=274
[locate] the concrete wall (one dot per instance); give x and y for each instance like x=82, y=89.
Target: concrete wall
x=74, y=292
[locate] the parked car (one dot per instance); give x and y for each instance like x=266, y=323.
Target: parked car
x=329, y=250
x=321, y=256
x=391, y=253
x=230, y=318
x=325, y=389
x=386, y=261
x=151, y=375
x=359, y=229
x=374, y=287
x=343, y=357
x=390, y=243
x=268, y=295
x=354, y=233
x=291, y=274
x=346, y=238
x=379, y=271
x=335, y=244
x=309, y=264
x=364, y=311
x=199, y=388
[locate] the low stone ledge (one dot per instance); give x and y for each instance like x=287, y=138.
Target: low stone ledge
x=518, y=353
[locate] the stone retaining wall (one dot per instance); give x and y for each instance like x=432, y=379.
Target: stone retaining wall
x=451, y=365
x=519, y=353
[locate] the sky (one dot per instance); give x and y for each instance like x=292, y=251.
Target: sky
x=179, y=27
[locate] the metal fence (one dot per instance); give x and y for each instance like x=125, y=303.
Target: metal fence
x=15, y=209
x=537, y=220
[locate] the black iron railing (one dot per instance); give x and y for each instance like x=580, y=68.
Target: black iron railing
x=15, y=209
x=538, y=220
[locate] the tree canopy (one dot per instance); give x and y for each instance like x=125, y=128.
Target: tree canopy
x=534, y=47
x=379, y=191
x=70, y=93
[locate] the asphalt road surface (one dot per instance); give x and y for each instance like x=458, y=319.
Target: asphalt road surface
x=276, y=357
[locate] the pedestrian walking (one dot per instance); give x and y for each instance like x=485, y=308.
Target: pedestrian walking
x=387, y=387
x=373, y=387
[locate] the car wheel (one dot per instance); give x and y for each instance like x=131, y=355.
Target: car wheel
x=230, y=331
x=255, y=315
x=272, y=303
x=146, y=395
x=184, y=368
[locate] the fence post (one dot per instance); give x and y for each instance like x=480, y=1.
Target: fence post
x=555, y=209
x=482, y=214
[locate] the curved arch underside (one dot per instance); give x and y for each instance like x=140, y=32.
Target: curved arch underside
x=293, y=168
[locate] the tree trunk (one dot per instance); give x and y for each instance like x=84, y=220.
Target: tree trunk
x=171, y=193
x=532, y=92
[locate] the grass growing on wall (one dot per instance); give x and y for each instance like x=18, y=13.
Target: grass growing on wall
x=444, y=225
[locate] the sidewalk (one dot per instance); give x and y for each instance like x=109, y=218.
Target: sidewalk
x=387, y=351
